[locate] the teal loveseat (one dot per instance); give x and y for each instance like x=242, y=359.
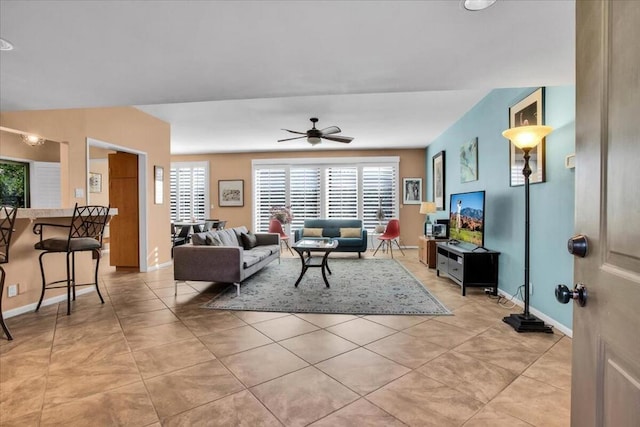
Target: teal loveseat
x=331, y=228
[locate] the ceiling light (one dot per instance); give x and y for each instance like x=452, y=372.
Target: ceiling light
x=5, y=45
x=475, y=5
x=313, y=140
x=32, y=140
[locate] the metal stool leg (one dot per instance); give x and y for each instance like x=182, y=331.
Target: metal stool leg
x=44, y=282
x=68, y=285
x=98, y=255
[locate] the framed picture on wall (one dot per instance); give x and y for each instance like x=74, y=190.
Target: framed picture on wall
x=438, y=177
x=469, y=161
x=412, y=191
x=95, y=182
x=158, y=178
x=527, y=112
x=231, y=192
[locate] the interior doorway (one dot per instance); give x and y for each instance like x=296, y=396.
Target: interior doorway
x=92, y=197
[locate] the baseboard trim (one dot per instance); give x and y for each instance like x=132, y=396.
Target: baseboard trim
x=557, y=325
x=53, y=300
x=159, y=266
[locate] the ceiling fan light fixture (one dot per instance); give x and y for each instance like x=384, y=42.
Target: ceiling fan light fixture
x=476, y=5
x=313, y=140
x=32, y=140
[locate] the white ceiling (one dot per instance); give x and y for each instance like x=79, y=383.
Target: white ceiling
x=228, y=75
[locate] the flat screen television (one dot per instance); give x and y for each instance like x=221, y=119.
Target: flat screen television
x=466, y=217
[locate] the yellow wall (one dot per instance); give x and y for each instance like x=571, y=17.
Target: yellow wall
x=238, y=166
x=122, y=126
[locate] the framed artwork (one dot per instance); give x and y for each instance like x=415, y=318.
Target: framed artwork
x=95, y=182
x=158, y=178
x=231, y=192
x=527, y=112
x=412, y=191
x=469, y=161
x=438, y=171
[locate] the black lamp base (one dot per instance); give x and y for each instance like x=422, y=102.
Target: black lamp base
x=530, y=323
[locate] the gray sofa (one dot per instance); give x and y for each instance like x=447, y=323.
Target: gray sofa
x=228, y=256
x=331, y=228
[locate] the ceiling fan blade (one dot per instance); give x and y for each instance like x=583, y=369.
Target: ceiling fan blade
x=295, y=131
x=337, y=138
x=289, y=139
x=330, y=130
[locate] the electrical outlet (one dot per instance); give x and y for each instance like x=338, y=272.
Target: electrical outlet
x=530, y=288
x=12, y=290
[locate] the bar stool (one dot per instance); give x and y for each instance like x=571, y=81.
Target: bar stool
x=85, y=234
x=7, y=220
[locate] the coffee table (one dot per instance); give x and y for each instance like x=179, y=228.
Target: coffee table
x=308, y=246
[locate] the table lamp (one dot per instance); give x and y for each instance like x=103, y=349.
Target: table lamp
x=426, y=208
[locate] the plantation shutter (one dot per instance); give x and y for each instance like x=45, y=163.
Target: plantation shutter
x=304, y=195
x=45, y=185
x=342, y=192
x=270, y=190
x=189, y=189
x=378, y=190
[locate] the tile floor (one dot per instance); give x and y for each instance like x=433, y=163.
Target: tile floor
x=147, y=358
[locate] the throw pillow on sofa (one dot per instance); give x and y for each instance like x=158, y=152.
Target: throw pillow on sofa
x=350, y=232
x=312, y=232
x=249, y=240
x=212, y=239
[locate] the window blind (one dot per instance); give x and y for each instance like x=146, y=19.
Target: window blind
x=304, y=194
x=270, y=190
x=342, y=192
x=189, y=191
x=330, y=188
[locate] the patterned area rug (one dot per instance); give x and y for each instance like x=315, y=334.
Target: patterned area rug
x=358, y=286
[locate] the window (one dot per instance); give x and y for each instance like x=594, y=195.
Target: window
x=304, y=194
x=378, y=191
x=189, y=188
x=342, y=192
x=326, y=188
x=270, y=190
x=14, y=183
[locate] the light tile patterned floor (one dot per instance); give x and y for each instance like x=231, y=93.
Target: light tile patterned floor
x=146, y=357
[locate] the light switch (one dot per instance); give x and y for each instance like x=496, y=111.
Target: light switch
x=79, y=193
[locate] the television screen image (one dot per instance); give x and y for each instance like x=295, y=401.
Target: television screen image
x=466, y=218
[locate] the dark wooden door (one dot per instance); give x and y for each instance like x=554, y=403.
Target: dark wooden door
x=123, y=194
x=606, y=337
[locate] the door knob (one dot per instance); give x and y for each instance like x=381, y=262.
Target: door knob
x=578, y=246
x=579, y=293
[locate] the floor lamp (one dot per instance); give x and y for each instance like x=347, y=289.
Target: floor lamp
x=425, y=209
x=526, y=138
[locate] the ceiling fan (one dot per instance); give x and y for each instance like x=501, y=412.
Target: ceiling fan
x=314, y=136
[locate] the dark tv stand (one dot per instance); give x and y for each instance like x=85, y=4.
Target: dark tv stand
x=468, y=267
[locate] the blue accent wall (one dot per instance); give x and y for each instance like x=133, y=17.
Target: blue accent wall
x=552, y=202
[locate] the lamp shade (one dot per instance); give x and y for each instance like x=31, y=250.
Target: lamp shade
x=427, y=207
x=527, y=136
